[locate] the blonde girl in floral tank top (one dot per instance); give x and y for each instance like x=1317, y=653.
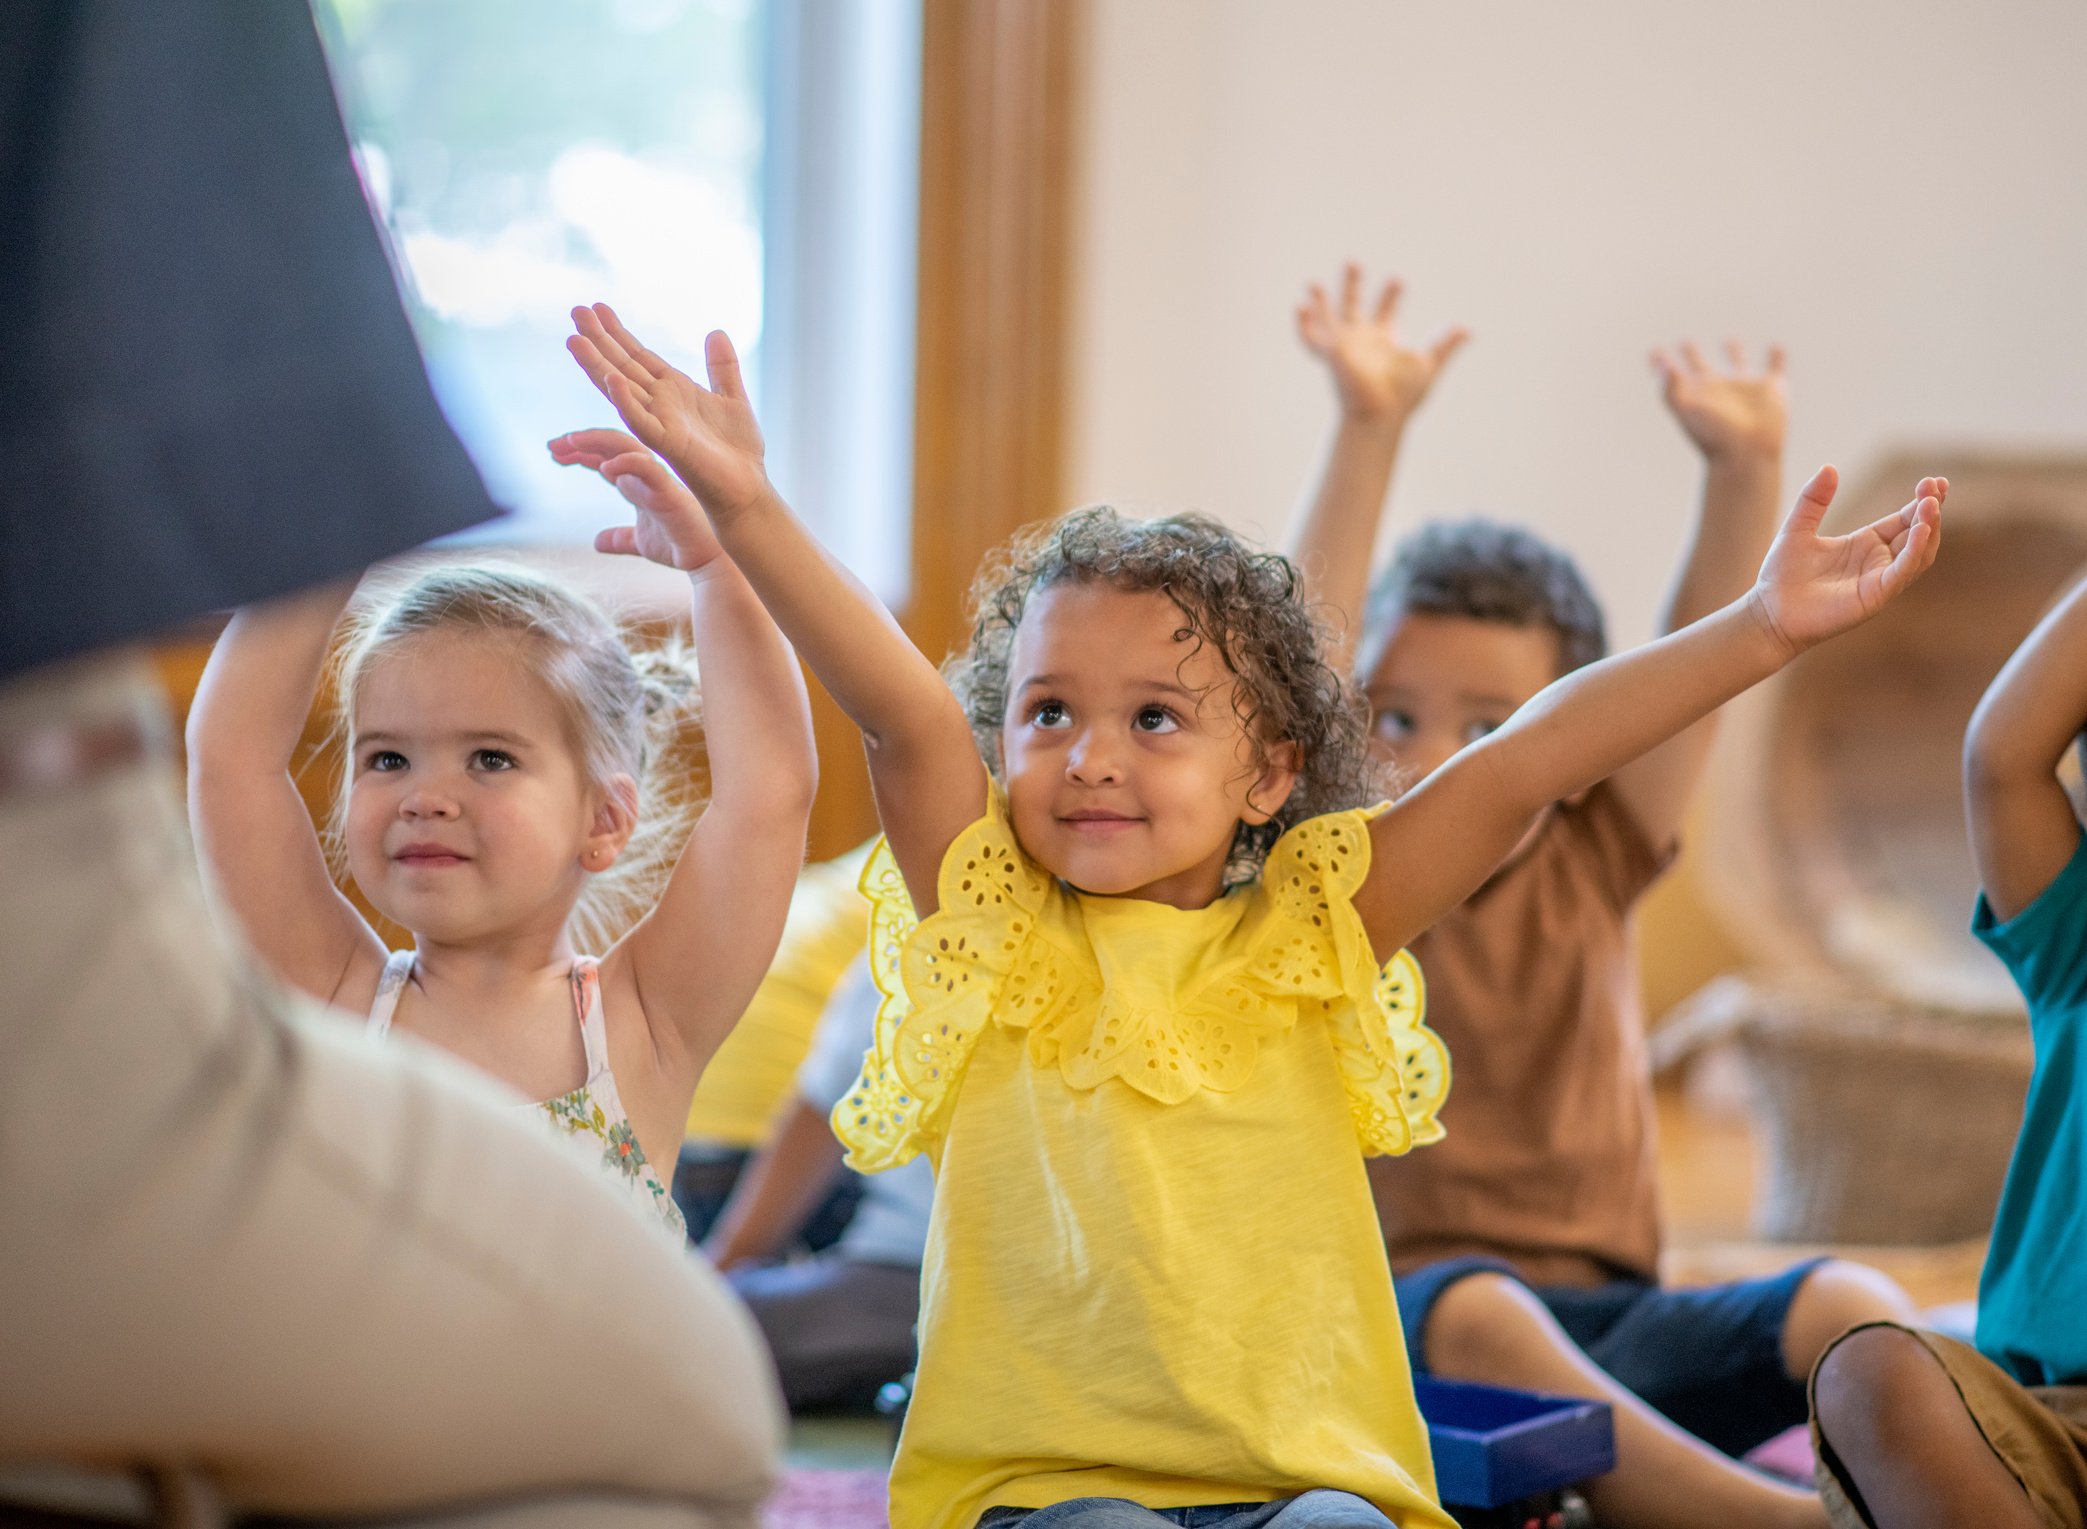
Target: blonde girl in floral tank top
x=1146, y=1003
x=593, y=1112
x=519, y=788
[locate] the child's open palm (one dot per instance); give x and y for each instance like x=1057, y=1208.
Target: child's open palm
x=708, y=435
x=1730, y=413
x=1812, y=586
x=670, y=526
x=1377, y=377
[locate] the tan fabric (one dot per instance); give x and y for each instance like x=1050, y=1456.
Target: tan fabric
x=2039, y=1433
x=1533, y=986
x=331, y=1275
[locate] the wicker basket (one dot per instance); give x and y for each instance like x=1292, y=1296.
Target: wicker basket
x=1888, y=1051
x=1881, y=1122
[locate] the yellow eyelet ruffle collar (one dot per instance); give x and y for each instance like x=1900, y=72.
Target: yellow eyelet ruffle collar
x=1166, y=1002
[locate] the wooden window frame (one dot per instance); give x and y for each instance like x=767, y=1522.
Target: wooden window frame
x=999, y=91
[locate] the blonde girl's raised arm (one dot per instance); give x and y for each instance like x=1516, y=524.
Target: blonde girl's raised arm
x=698, y=955
x=260, y=852
x=929, y=782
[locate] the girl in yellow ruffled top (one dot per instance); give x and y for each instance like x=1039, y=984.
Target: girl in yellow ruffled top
x=1147, y=1002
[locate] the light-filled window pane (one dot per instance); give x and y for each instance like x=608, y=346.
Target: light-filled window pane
x=527, y=155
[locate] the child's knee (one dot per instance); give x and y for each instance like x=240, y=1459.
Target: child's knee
x=1480, y=1319
x=1834, y=1297
x=1869, y=1390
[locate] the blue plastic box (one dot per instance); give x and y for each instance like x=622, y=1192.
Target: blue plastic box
x=1494, y=1447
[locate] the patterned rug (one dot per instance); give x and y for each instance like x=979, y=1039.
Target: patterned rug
x=812, y=1498
x=815, y=1498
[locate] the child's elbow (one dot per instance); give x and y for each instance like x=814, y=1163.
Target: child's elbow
x=211, y=749
x=790, y=787
x=1995, y=759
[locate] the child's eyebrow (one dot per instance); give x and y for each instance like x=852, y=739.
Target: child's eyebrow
x=1169, y=687
x=462, y=735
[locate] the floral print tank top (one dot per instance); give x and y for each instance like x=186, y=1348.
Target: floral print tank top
x=593, y=1110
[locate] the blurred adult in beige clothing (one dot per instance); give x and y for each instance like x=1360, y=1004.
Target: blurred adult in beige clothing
x=237, y=1240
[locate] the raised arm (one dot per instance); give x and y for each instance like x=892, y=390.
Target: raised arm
x=260, y=853
x=2022, y=826
x=1378, y=382
x=929, y=782
x=1736, y=420
x=697, y=957
x=1440, y=842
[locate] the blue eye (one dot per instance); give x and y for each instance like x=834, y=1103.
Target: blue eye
x=1393, y=725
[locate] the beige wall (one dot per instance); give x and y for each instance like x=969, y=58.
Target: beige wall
x=1897, y=192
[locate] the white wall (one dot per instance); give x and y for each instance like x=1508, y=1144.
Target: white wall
x=1896, y=191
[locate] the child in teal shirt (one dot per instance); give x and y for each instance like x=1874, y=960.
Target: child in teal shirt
x=1915, y=1429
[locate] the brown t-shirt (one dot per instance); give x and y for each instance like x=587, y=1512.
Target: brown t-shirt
x=1548, y=1160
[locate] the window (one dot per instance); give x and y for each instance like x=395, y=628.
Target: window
x=699, y=164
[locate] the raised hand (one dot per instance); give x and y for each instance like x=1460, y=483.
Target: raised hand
x=708, y=435
x=670, y=526
x=1812, y=586
x=1728, y=414
x=1377, y=378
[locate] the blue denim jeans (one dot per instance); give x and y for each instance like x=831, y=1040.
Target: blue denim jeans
x=1314, y=1510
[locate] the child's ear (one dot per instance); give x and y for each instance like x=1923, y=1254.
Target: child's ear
x=1281, y=764
x=615, y=820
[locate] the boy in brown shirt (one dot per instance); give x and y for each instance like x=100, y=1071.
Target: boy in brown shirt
x=1526, y=1243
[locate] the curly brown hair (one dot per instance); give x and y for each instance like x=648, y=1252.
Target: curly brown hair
x=1245, y=603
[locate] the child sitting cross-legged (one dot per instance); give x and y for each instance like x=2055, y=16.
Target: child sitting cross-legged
x=1914, y=1429
x=1147, y=1004
x=1527, y=1245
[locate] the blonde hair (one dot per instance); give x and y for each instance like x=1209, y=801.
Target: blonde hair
x=628, y=711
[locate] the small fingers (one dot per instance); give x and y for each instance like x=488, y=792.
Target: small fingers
x=1735, y=355
x=1915, y=557
x=613, y=355
x=1351, y=292
x=1814, y=500
x=1775, y=360
x=1692, y=358
x=1388, y=300
x=1449, y=344
x=642, y=465
x=722, y=362
x=592, y=362
x=589, y=447
x=653, y=364
x=618, y=541
x=1671, y=377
